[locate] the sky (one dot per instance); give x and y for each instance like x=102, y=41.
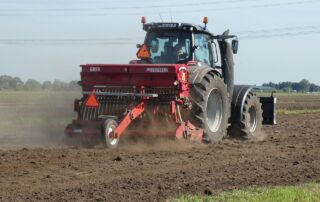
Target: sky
x=279, y=40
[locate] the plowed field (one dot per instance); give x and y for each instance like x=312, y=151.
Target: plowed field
x=156, y=170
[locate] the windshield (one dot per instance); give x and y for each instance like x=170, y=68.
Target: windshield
x=169, y=47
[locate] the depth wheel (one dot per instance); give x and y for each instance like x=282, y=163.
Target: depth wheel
x=110, y=141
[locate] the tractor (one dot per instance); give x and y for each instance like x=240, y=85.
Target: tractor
x=181, y=83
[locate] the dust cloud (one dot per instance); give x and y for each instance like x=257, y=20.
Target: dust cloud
x=38, y=119
x=153, y=135
x=34, y=119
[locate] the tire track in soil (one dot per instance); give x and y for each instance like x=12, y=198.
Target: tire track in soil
x=290, y=155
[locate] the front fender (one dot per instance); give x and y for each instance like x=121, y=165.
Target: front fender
x=196, y=73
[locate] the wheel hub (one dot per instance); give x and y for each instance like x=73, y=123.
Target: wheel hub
x=252, y=119
x=111, y=137
x=214, y=110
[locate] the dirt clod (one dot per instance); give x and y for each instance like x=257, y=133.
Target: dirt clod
x=118, y=158
x=208, y=192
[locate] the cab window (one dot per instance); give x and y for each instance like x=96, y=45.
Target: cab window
x=203, y=52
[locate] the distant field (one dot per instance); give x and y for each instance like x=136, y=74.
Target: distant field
x=283, y=94
x=8, y=96
x=298, y=102
x=294, y=103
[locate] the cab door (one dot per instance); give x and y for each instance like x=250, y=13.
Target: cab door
x=203, y=49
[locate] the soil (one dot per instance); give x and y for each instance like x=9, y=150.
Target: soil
x=164, y=169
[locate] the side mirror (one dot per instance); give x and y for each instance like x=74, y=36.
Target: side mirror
x=235, y=44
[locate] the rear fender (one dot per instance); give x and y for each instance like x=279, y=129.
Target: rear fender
x=238, y=98
x=240, y=92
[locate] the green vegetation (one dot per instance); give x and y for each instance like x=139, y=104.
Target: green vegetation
x=285, y=94
x=302, y=193
x=15, y=83
x=297, y=111
x=303, y=86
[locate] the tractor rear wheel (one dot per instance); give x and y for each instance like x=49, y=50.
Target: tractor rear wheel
x=210, y=107
x=250, y=125
x=109, y=127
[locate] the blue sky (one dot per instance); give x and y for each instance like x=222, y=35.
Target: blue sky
x=279, y=40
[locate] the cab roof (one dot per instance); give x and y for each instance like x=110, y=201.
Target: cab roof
x=175, y=26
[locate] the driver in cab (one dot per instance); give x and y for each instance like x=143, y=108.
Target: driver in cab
x=180, y=50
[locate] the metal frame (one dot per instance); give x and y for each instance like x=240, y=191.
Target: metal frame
x=153, y=95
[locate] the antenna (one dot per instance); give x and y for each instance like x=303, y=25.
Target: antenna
x=160, y=17
x=170, y=14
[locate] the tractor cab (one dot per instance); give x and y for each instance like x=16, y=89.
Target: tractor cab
x=176, y=43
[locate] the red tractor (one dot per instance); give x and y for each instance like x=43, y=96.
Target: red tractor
x=182, y=79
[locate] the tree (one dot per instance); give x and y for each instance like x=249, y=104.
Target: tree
x=296, y=86
x=73, y=85
x=314, y=88
x=32, y=84
x=5, y=82
x=304, y=85
x=47, y=85
x=270, y=84
x=59, y=85
x=287, y=89
x=17, y=84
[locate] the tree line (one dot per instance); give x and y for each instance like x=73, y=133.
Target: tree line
x=15, y=83
x=303, y=86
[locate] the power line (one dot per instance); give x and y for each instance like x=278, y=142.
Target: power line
x=279, y=32
x=129, y=7
x=250, y=34
x=268, y=5
x=120, y=40
x=279, y=29
x=285, y=34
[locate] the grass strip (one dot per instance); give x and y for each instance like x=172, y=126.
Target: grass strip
x=302, y=193
x=297, y=111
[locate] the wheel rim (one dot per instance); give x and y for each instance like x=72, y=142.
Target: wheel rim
x=214, y=110
x=110, y=137
x=252, y=119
